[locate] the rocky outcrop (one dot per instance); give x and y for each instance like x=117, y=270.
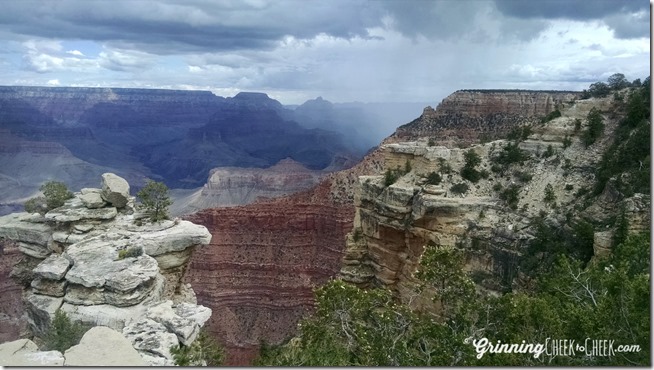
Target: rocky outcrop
x=466, y=116
x=12, y=322
x=394, y=223
x=108, y=268
x=233, y=186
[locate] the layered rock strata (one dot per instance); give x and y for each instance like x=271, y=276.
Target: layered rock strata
x=258, y=273
x=104, y=265
x=465, y=116
x=394, y=223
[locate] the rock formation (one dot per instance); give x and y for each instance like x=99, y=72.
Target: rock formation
x=107, y=266
x=233, y=186
x=465, y=116
x=393, y=223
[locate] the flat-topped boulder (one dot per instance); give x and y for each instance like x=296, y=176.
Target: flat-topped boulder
x=103, y=346
x=115, y=190
x=174, y=239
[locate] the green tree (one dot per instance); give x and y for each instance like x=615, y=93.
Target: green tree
x=599, y=89
x=469, y=171
x=433, y=178
x=36, y=205
x=63, y=333
x=550, y=197
x=154, y=198
x=618, y=81
x=595, y=126
x=204, y=351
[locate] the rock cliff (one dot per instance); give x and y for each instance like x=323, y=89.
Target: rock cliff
x=465, y=116
x=394, y=223
x=232, y=186
x=99, y=261
x=258, y=272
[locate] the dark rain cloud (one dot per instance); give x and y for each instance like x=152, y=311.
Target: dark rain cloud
x=188, y=26
x=627, y=18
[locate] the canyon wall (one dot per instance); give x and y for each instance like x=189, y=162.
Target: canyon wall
x=465, y=116
x=394, y=222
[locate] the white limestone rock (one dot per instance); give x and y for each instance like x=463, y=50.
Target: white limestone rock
x=197, y=313
x=115, y=190
x=23, y=352
x=177, y=238
x=151, y=338
x=74, y=210
x=16, y=226
x=186, y=329
x=103, y=346
x=34, y=250
x=40, y=309
x=92, y=198
x=54, y=267
x=49, y=287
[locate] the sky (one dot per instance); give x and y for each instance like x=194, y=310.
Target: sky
x=342, y=50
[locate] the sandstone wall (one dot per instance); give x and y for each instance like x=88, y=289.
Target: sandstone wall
x=258, y=272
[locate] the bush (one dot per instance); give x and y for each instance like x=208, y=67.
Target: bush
x=204, y=351
x=549, y=152
x=444, y=166
x=599, y=89
x=510, y=195
x=130, y=252
x=433, y=178
x=63, y=333
x=595, y=128
x=431, y=142
x=550, y=197
x=36, y=205
x=469, y=172
x=154, y=198
x=511, y=153
x=523, y=176
x=566, y=142
x=460, y=188
x=554, y=114
x=390, y=176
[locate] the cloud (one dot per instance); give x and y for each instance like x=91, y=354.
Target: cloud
x=75, y=52
x=627, y=18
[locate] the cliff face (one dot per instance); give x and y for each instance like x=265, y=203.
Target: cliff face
x=468, y=115
x=169, y=135
x=232, y=186
x=12, y=322
x=394, y=223
x=96, y=259
x=258, y=272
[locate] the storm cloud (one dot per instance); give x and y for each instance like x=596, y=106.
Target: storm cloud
x=343, y=50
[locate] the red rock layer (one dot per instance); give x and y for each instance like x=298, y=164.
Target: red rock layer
x=11, y=304
x=258, y=272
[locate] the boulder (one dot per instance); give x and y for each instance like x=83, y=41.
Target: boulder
x=54, y=267
x=151, y=338
x=115, y=190
x=186, y=329
x=24, y=352
x=92, y=198
x=103, y=346
x=49, y=287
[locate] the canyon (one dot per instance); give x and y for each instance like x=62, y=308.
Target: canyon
x=257, y=272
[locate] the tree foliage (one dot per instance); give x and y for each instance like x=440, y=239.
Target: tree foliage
x=594, y=126
x=55, y=194
x=204, y=351
x=469, y=171
x=154, y=198
x=63, y=333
